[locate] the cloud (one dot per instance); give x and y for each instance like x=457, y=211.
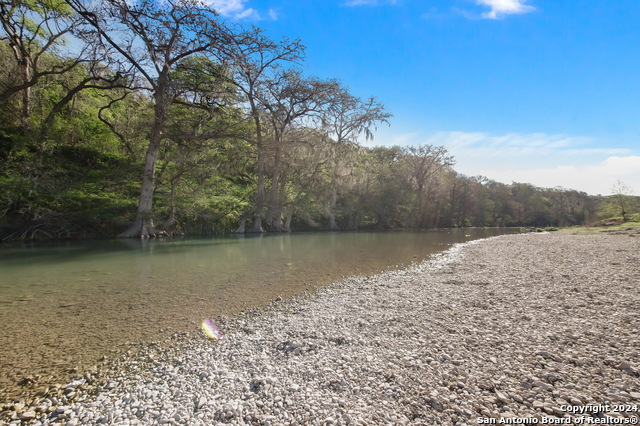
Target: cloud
x=545, y=160
x=369, y=2
x=227, y=7
x=522, y=145
x=405, y=139
x=596, y=178
x=236, y=9
x=249, y=15
x=501, y=8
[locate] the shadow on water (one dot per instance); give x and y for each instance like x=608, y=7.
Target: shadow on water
x=68, y=250
x=64, y=305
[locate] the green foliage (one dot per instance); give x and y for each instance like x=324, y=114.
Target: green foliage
x=75, y=169
x=69, y=192
x=612, y=206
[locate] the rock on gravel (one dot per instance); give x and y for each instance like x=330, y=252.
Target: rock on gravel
x=512, y=326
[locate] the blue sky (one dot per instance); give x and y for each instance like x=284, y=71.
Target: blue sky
x=539, y=91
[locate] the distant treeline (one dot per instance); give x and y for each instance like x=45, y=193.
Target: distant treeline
x=150, y=118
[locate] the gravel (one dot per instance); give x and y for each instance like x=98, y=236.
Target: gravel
x=517, y=326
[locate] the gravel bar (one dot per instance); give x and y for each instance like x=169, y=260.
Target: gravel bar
x=527, y=328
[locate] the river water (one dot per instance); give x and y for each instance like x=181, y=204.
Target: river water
x=65, y=305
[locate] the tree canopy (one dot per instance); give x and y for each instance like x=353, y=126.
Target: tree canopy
x=151, y=118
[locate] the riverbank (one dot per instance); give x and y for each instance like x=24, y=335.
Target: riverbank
x=511, y=326
x=63, y=307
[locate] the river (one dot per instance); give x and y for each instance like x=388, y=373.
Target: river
x=65, y=305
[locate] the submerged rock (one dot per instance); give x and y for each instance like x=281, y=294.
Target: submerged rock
x=426, y=345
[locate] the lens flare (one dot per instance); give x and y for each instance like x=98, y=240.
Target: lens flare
x=210, y=329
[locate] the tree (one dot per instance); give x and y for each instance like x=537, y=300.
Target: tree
x=384, y=188
x=197, y=123
x=151, y=38
x=346, y=119
x=126, y=112
x=424, y=161
x=35, y=30
x=255, y=59
x=304, y=184
x=290, y=99
x=622, y=198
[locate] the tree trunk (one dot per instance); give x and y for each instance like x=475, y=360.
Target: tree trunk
x=277, y=196
x=287, y=222
x=240, y=229
x=257, y=223
x=171, y=221
x=333, y=226
x=452, y=206
x=284, y=222
x=272, y=212
x=25, y=115
x=421, y=216
x=143, y=226
x=462, y=210
x=356, y=220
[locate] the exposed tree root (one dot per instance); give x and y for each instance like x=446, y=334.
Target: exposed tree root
x=256, y=228
x=143, y=227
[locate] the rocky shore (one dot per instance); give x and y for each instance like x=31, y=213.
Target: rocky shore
x=520, y=327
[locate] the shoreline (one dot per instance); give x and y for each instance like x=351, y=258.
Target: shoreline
x=519, y=325
x=62, y=316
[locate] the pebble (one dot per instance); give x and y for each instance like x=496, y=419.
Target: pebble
x=28, y=415
x=502, y=398
x=441, y=342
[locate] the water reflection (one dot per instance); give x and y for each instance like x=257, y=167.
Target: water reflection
x=67, y=304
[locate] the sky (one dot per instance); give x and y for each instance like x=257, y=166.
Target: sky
x=545, y=92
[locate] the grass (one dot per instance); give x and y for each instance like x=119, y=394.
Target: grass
x=547, y=229
x=613, y=225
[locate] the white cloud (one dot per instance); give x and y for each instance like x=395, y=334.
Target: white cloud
x=273, y=15
x=237, y=9
x=538, y=158
x=228, y=7
x=248, y=14
x=405, y=139
x=597, y=178
x=521, y=145
x=500, y=8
